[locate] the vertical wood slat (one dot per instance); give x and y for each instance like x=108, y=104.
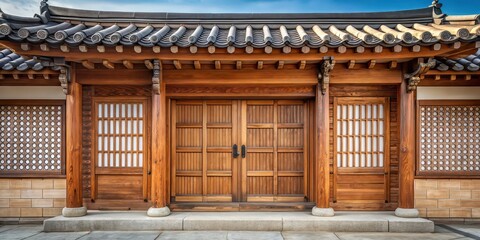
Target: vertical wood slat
x=407, y=147
x=275, y=149
x=204, y=150
x=73, y=148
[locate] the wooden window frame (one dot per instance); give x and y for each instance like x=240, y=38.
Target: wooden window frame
x=432, y=174
x=41, y=102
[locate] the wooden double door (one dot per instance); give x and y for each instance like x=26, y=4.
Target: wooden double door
x=238, y=150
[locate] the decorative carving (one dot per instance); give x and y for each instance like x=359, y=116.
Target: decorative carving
x=156, y=77
x=64, y=78
x=324, y=73
x=417, y=75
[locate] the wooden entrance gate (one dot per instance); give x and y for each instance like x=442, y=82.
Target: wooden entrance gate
x=239, y=151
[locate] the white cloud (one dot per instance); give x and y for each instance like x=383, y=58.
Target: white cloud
x=20, y=7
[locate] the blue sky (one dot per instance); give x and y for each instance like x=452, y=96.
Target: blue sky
x=29, y=7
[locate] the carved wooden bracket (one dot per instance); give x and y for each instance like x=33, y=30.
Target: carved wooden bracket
x=64, y=78
x=156, y=77
x=324, y=73
x=417, y=75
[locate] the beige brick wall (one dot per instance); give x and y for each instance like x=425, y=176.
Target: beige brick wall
x=32, y=197
x=448, y=198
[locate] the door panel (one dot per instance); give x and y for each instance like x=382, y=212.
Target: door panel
x=274, y=166
x=203, y=132
x=361, y=151
x=121, y=152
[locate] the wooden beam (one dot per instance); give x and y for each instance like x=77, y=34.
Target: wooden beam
x=322, y=148
x=159, y=147
x=407, y=147
x=73, y=145
x=280, y=64
x=148, y=64
x=128, y=64
x=108, y=64
x=351, y=64
x=88, y=65
x=218, y=65
x=369, y=76
x=177, y=64
x=260, y=65
x=197, y=65
x=302, y=64
x=239, y=65
x=392, y=65
x=371, y=64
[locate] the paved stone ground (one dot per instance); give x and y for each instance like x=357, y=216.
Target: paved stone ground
x=444, y=231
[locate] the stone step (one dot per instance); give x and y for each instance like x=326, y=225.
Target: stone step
x=239, y=221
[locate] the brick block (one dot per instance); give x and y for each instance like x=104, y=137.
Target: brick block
x=42, y=183
x=426, y=203
x=54, y=193
x=52, y=212
x=460, y=194
x=59, y=202
x=31, y=212
x=420, y=193
x=476, y=212
x=438, y=212
x=476, y=194
x=10, y=193
x=20, y=184
x=4, y=184
x=31, y=193
x=437, y=194
x=9, y=212
x=20, y=203
x=449, y=203
x=460, y=212
x=4, y=202
x=60, y=184
x=470, y=203
x=470, y=184
x=425, y=184
x=422, y=212
x=448, y=184
x=42, y=202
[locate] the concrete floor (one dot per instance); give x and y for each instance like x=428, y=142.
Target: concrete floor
x=444, y=231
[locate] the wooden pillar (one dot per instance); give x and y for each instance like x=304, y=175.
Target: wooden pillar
x=322, y=148
x=159, y=145
x=73, y=165
x=407, y=147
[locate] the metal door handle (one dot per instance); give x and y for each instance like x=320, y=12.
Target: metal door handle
x=235, y=152
x=244, y=151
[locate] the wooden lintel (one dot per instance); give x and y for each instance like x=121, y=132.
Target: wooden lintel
x=218, y=65
x=302, y=64
x=371, y=64
x=239, y=65
x=148, y=64
x=260, y=65
x=197, y=65
x=88, y=65
x=351, y=64
x=392, y=65
x=451, y=72
x=177, y=64
x=280, y=64
x=108, y=64
x=128, y=64
x=101, y=48
x=119, y=48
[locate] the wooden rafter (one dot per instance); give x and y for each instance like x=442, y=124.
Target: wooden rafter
x=197, y=65
x=280, y=64
x=177, y=64
x=351, y=64
x=88, y=65
x=371, y=64
x=392, y=65
x=302, y=64
x=218, y=65
x=239, y=65
x=108, y=64
x=127, y=64
x=148, y=64
x=260, y=65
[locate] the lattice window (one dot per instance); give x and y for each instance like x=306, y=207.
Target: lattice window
x=120, y=129
x=31, y=138
x=361, y=127
x=449, y=138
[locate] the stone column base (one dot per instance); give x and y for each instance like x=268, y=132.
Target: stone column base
x=74, y=212
x=323, y=212
x=407, y=212
x=158, y=212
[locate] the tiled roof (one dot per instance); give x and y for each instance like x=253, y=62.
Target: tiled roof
x=12, y=61
x=57, y=26
x=469, y=63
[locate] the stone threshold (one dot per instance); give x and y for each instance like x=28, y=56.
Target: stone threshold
x=21, y=220
x=239, y=221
